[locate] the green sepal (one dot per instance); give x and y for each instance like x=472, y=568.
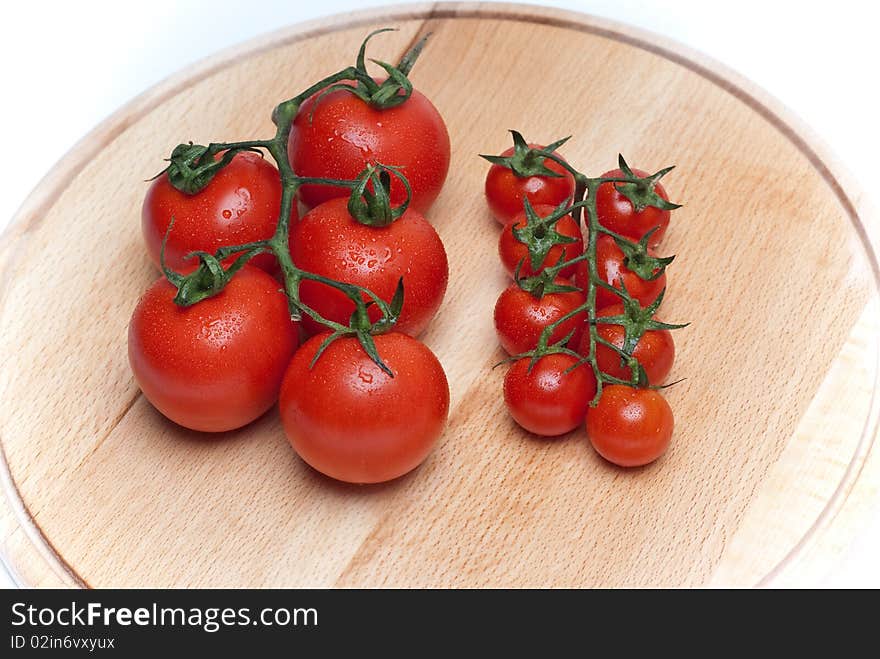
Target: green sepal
x=540, y=351
x=205, y=281
x=208, y=279
x=370, y=200
x=639, y=375
x=635, y=320
x=539, y=234
x=409, y=58
x=396, y=305
x=364, y=337
x=637, y=259
x=526, y=161
x=543, y=283
x=389, y=95
x=324, y=345
x=560, y=347
x=657, y=387
x=369, y=346
x=359, y=323
x=396, y=89
x=640, y=191
x=193, y=166
x=361, y=62
x=392, y=312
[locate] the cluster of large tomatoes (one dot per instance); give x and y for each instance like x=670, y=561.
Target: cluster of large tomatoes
x=579, y=318
x=217, y=340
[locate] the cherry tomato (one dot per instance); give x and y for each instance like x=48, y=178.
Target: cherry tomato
x=218, y=364
x=328, y=241
x=239, y=205
x=505, y=190
x=630, y=427
x=520, y=317
x=616, y=212
x=611, y=268
x=655, y=350
x=512, y=251
x=353, y=422
x=549, y=401
x=340, y=135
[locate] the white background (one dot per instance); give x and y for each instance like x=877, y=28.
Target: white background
x=67, y=65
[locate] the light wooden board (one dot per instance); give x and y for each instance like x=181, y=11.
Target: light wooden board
x=772, y=462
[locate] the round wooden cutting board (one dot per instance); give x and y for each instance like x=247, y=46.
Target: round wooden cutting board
x=771, y=466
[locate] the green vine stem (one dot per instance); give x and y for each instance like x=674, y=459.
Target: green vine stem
x=636, y=320
x=193, y=166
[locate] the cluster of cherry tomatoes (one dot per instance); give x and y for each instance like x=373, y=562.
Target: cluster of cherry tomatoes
x=217, y=340
x=579, y=319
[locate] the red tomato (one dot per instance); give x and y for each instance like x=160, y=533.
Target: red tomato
x=548, y=401
x=616, y=212
x=218, y=364
x=345, y=134
x=353, y=422
x=505, y=190
x=239, y=205
x=520, y=317
x=512, y=251
x=655, y=350
x=630, y=427
x=611, y=268
x=328, y=241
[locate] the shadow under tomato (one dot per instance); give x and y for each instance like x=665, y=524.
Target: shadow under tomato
x=576, y=436
x=179, y=433
x=367, y=489
x=602, y=463
x=268, y=427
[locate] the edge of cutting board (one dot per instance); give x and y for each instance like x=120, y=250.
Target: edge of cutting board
x=29, y=555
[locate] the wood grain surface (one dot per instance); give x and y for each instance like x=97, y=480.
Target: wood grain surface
x=771, y=466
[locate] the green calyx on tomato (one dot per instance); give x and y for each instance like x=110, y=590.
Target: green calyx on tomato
x=539, y=234
x=360, y=326
x=635, y=321
x=640, y=190
x=544, y=282
x=205, y=281
x=192, y=166
x=370, y=200
x=393, y=91
x=526, y=161
x=637, y=259
x=545, y=348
